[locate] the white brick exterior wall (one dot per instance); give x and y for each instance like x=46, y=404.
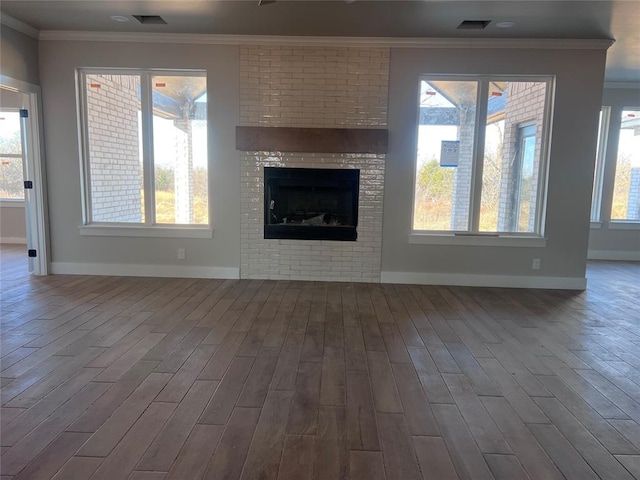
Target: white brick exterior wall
x=183, y=182
x=313, y=87
x=114, y=155
x=463, y=173
x=633, y=203
x=525, y=104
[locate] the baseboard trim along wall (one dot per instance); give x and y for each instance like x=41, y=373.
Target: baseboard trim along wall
x=177, y=271
x=129, y=270
x=471, y=280
x=13, y=240
x=632, y=255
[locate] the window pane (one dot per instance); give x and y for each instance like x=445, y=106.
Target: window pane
x=515, y=116
x=180, y=149
x=11, y=178
x=115, y=151
x=445, y=155
x=626, y=190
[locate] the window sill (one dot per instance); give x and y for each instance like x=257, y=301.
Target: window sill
x=622, y=225
x=596, y=225
x=11, y=203
x=138, y=231
x=477, y=240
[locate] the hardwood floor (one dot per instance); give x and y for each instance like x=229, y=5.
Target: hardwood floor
x=144, y=378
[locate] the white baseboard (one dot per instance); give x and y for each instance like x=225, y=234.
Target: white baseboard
x=177, y=271
x=633, y=255
x=472, y=280
x=129, y=270
x=14, y=240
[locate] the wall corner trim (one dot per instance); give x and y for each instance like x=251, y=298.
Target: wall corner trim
x=19, y=26
x=409, y=42
x=475, y=280
x=130, y=270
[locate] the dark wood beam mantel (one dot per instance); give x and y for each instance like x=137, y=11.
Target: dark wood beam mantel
x=310, y=140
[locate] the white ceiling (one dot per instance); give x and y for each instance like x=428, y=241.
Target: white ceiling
x=616, y=19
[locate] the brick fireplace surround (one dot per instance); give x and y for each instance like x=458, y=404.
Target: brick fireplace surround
x=312, y=87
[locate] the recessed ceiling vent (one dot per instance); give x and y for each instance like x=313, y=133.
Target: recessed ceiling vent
x=150, y=19
x=473, y=24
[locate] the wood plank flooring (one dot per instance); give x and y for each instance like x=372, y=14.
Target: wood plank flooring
x=144, y=378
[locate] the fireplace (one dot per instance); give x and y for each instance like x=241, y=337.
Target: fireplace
x=311, y=203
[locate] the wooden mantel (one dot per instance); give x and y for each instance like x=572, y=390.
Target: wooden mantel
x=310, y=140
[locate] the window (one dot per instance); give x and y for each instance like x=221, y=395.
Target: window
x=11, y=180
x=626, y=188
x=145, y=147
x=481, y=157
x=603, y=129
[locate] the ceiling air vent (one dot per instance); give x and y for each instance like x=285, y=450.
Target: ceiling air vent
x=473, y=24
x=150, y=19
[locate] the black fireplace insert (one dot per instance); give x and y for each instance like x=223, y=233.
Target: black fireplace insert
x=311, y=203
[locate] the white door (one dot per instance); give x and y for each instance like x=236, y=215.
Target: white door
x=34, y=187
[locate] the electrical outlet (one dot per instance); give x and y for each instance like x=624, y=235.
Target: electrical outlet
x=535, y=265
x=182, y=254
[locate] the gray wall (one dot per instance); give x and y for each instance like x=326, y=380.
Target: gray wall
x=605, y=239
x=57, y=70
x=19, y=56
x=579, y=80
x=579, y=75
x=12, y=224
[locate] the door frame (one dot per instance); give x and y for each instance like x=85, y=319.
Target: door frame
x=35, y=202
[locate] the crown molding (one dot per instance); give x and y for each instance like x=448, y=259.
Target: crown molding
x=624, y=85
x=19, y=26
x=399, y=42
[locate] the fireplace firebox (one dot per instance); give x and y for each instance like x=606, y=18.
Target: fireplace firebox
x=311, y=203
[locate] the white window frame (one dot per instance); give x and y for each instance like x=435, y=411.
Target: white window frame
x=598, y=179
x=149, y=228
x=473, y=236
